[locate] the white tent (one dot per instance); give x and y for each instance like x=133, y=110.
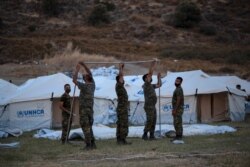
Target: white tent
x=35, y=104
x=206, y=100
x=6, y=89
x=31, y=106
x=106, y=99
x=232, y=81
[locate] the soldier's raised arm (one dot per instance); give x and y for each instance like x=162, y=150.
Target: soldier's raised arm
x=152, y=68
x=121, y=67
x=86, y=68
x=78, y=66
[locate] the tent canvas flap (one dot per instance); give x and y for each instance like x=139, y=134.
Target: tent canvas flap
x=30, y=115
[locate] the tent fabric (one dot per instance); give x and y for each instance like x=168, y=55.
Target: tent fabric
x=232, y=81
x=10, y=145
x=30, y=115
x=199, y=88
x=5, y=132
x=195, y=82
x=6, y=89
x=105, y=132
x=189, y=114
x=236, y=105
x=42, y=88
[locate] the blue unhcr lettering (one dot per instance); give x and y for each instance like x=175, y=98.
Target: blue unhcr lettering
x=167, y=108
x=30, y=113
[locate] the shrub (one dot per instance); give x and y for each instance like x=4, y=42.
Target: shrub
x=238, y=57
x=99, y=15
x=1, y=22
x=50, y=7
x=226, y=70
x=223, y=38
x=216, y=17
x=187, y=15
x=167, y=53
x=32, y=28
x=109, y=5
x=208, y=29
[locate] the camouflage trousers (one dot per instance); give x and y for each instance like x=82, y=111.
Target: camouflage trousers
x=151, y=118
x=178, y=122
x=65, y=124
x=122, y=122
x=86, y=122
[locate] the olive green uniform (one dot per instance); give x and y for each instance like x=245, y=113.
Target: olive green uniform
x=179, y=111
x=149, y=106
x=65, y=98
x=86, y=100
x=122, y=111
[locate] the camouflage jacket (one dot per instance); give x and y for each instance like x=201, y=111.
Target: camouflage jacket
x=86, y=93
x=178, y=92
x=149, y=93
x=121, y=94
x=65, y=98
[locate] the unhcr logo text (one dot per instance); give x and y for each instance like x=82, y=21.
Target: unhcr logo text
x=30, y=113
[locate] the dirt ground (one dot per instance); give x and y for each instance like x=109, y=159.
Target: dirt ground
x=222, y=150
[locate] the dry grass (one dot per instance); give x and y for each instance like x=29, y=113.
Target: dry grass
x=209, y=67
x=70, y=56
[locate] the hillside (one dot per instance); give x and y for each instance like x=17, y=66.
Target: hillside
x=137, y=29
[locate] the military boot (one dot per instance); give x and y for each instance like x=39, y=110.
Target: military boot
x=125, y=142
x=93, y=145
x=88, y=146
x=152, y=136
x=145, y=136
x=118, y=140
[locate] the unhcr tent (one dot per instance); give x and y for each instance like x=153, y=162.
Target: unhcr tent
x=6, y=89
x=106, y=99
x=232, y=81
x=206, y=99
x=35, y=104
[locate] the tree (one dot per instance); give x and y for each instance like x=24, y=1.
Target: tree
x=187, y=15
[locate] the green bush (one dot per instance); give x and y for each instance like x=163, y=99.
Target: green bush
x=226, y=70
x=222, y=37
x=109, y=5
x=32, y=28
x=50, y=7
x=238, y=57
x=99, y=15
x=187, y=14
x=1, y=22
x=208, y=29
x=216, y=17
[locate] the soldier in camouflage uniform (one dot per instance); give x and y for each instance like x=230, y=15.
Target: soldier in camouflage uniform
x=122, y=108
x=177, y=104
x=150, y=102
x=65, y=106
x=86, y=100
